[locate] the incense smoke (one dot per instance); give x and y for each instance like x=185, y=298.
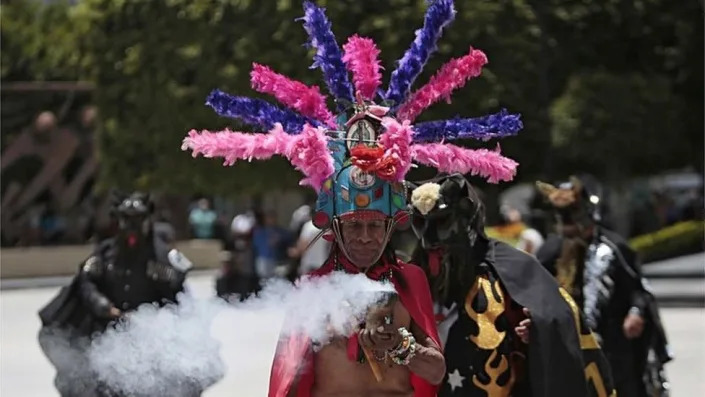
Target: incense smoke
x=160, y=351
x=320, y=307
x=171, y=351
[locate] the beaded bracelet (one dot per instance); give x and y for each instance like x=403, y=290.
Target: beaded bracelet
x=402, y=354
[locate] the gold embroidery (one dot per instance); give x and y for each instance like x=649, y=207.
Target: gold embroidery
x=565, y=274
x=493, y=388
x=587, y=342
x=592, y=374
x=566, y=266
x=488, y=337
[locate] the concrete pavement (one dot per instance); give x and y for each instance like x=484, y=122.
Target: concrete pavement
x=248, y=343
x=678, y=281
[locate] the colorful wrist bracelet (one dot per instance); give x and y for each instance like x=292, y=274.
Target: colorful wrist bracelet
x=403, y=353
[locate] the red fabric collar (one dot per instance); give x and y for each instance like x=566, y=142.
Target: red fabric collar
x=376, y=272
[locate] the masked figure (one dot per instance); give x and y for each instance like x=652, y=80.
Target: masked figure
x=506, y=327
x=602, y=274
x=135, y=267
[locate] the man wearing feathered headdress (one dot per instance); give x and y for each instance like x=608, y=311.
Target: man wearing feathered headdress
x=602, y=274
x=357, y=162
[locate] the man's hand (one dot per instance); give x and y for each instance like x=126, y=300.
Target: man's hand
x=633, y=326
x=380, y=339
x=115, y=312
x=380, y=333
x=522, y=330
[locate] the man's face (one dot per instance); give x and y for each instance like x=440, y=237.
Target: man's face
x=364, y=239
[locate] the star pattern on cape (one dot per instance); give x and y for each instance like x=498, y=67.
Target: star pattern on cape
x=455, y=380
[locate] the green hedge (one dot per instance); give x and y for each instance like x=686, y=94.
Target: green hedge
x=679, y=239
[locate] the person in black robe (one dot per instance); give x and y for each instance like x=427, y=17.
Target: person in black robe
x=602, y=274
x=507, y=327
x=135, y=267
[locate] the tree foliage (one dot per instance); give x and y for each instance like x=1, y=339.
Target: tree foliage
x=601, y=118
x=575, y=69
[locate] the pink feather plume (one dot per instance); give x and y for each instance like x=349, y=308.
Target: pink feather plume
x=360, y=57
x=307, y=151
x=298, y=96
x=450, y=159
x=396, y=141
x=450, y=77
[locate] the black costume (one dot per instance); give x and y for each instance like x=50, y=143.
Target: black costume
x=603, y=275
x=480, y=286
x=238, y=275
x=137, y=266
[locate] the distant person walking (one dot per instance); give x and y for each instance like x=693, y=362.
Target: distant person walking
x=202, y=220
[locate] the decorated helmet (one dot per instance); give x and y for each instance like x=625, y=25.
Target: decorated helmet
x=356, y=157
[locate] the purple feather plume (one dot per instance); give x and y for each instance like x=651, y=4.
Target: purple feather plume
x=257, y=112
x=328, y=56
x=439, y=14
x=496, y=125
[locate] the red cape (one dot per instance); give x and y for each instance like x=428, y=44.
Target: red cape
x=294, y=357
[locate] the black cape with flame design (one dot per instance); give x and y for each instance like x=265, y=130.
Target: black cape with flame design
x=563, y=358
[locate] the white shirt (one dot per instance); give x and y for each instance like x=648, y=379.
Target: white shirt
x=316, y=255
x=242, y=223
x=530, y=241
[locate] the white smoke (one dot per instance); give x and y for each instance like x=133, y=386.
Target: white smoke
x=320, y=307
x=160, y=351
x=170, y=350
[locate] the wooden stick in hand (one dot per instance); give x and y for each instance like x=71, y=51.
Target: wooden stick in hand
x=374, y=365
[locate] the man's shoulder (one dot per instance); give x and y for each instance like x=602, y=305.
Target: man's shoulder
x=411, y=272
x=408, y=266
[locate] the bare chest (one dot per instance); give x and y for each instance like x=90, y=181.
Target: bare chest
x=337, y=375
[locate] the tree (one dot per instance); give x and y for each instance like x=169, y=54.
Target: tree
x=154, y=62
x=618, y=126
x=38, y=43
